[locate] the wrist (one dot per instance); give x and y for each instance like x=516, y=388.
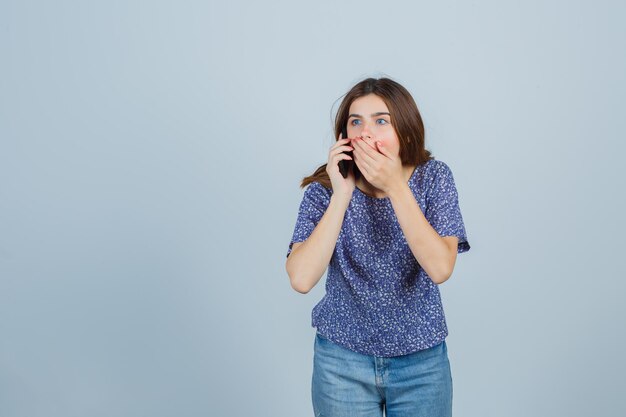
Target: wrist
x=341, y=200
x=399, y=191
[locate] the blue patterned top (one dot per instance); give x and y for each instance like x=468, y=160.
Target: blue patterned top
x=378, y=300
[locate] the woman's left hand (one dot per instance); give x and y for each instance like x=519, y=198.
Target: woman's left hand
x=380, y=168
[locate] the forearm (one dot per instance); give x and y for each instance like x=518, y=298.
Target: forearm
x=428, y=248
x=307, y=263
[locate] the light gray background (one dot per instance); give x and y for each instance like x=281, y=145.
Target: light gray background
x=150, y=159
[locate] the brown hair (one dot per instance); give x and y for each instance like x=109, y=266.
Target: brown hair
x=405, y=119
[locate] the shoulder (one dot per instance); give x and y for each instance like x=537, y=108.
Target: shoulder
x=436, y=167
x=433, y=171
x=317, y=192
x=317, y=187
x=438, y=178
x=437, y=171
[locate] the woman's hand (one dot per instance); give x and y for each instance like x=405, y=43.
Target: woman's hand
x=379, y=167
x=343, y=187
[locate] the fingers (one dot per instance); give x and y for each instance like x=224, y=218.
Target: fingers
x=366, y=152
x=340, y=149
x=340, y=138
x=342, y=141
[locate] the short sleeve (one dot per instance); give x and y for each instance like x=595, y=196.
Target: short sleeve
x=443, y=211
x=314, y=203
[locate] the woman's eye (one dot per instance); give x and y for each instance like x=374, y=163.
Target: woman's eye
x=357, y=120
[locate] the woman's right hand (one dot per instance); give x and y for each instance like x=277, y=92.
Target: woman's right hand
x=343, y=187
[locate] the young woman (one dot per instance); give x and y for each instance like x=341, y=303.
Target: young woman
x=389, y=234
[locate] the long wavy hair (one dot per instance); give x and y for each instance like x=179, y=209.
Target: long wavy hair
x=406, y=120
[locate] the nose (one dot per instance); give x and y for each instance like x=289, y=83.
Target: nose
x=363, y=131
x=366, y=133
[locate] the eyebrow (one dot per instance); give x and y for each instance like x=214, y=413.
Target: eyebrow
x=373, y=114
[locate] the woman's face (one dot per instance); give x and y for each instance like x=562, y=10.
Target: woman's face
x=369, y=116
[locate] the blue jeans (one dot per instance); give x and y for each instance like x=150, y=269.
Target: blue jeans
x=348, y=383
